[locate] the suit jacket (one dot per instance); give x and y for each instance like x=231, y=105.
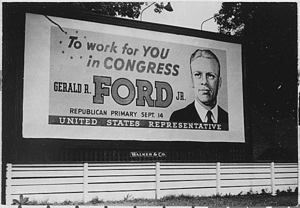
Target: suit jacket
x=190, y=114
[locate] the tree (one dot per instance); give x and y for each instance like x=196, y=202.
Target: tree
x=269, y=35
x=232, y=17
x=241, y=18
x=123, y=9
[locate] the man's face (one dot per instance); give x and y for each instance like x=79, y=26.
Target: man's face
x=206, y=81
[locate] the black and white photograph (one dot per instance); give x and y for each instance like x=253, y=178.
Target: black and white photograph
x=149, y=104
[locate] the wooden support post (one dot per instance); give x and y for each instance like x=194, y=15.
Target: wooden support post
x=298, y=167
x=85, y=182
x=157, y=176
x=272, y=167
x=1, y=143
x=218, y=178
x=8, y=185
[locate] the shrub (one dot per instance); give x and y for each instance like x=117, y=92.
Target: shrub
x=67, y=202
x=265, y=192
x=96, y=200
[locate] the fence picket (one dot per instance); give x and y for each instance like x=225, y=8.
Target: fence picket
x=9, y=184
x=273, y=179
x=157, y=174
x=85, y=182
x=218, y=178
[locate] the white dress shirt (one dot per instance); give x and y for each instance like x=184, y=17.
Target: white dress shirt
x=202, y=112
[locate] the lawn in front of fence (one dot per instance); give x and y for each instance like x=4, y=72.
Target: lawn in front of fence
x=283, y=198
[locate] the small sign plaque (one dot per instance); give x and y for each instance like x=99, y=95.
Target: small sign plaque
x=148, y=154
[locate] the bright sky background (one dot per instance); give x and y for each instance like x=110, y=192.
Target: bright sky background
x=188, y=14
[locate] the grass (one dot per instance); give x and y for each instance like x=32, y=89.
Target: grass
x=231, y=201
x=283, y=198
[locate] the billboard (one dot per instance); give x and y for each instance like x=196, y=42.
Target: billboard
x=87, y=80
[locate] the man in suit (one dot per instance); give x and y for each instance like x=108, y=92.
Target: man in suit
x=206, y=80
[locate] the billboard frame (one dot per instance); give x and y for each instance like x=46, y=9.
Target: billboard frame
x=247, y=146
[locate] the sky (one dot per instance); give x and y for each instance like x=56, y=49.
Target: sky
x=189, y=14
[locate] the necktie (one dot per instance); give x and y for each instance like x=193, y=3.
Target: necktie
x=209, y=119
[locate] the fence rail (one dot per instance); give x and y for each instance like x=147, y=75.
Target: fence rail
x=83, y=182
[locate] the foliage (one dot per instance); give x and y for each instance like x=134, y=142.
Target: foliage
x=159, y=7
x=67, y=202
x=96, y=200
x=232, y=17
x=35, y=202
x=287, y=192
x=250, y=192
x=123, y=9
x=265, y=192
x=283, y=198
x=22, y=201
x=238, y=18
x=268, y=32
x=128, y=197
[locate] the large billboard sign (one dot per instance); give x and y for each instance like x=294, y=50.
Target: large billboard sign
x=87, y=80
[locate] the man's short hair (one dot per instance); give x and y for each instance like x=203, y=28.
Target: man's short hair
x=205, y=54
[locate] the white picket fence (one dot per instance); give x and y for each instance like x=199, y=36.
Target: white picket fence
x=115, y=181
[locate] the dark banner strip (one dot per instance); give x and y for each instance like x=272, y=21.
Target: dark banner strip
x=134, y=123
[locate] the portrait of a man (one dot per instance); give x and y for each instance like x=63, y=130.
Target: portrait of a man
x=206, y=81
